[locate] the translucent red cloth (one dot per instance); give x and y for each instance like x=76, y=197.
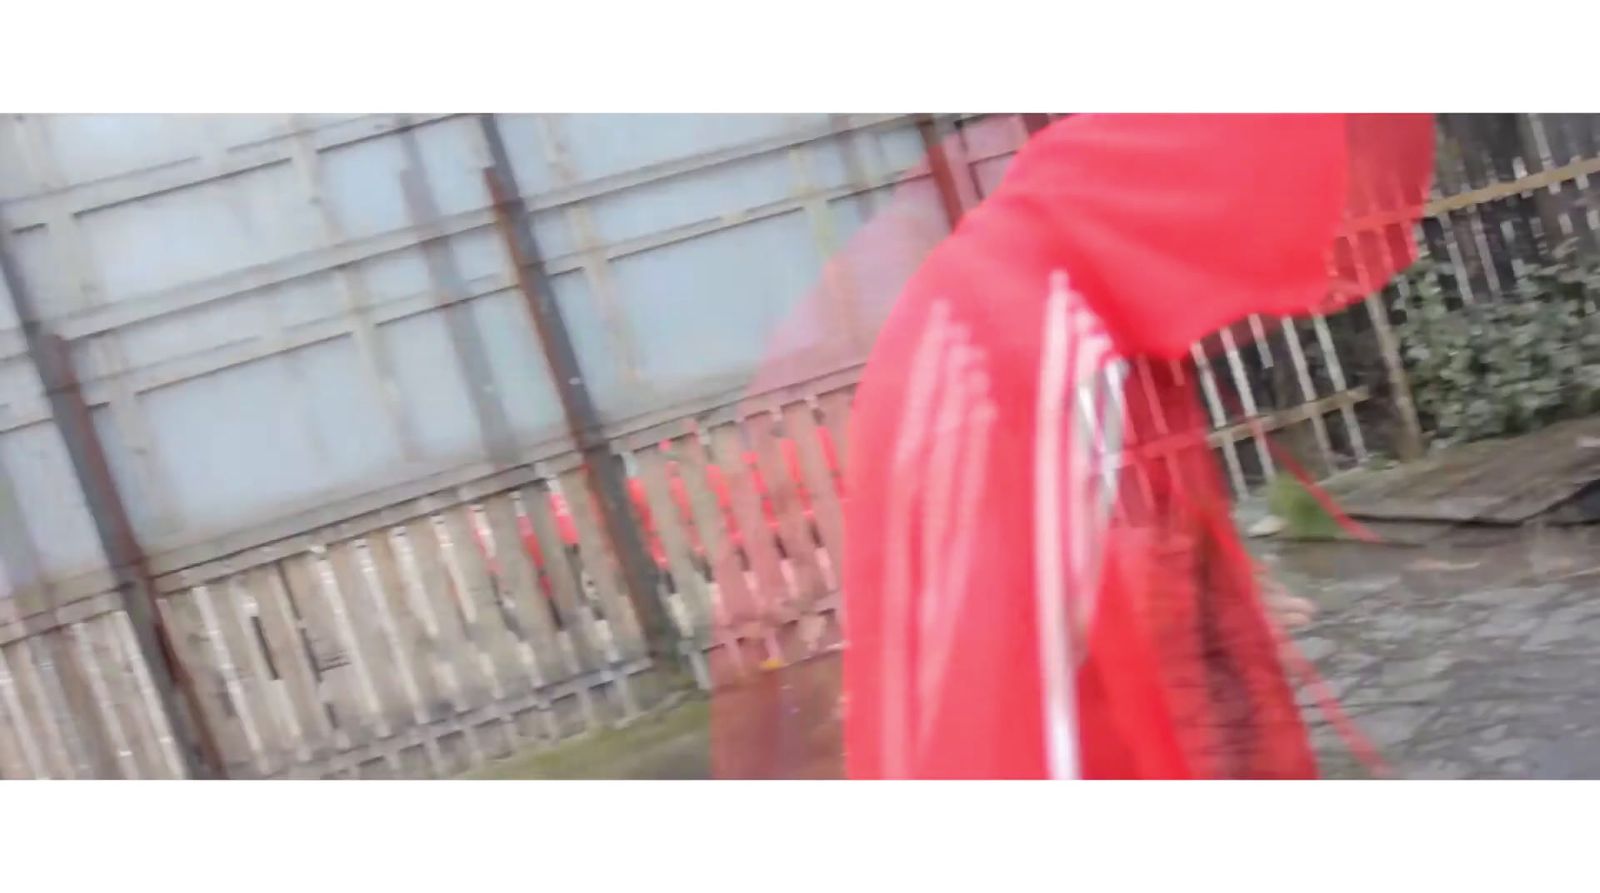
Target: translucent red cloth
x=1158, y=230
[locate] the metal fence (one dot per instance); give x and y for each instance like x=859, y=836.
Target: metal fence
x=238, y=330
x=375, y=546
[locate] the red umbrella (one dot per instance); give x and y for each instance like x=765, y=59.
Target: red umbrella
x=1014, y=606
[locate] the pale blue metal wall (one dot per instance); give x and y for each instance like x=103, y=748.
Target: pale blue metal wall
x=259, y=311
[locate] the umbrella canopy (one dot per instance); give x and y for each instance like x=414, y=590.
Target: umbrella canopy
x=1031, y=588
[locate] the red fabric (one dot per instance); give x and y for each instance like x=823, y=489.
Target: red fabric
x=1170, y=227
x=1178, y=225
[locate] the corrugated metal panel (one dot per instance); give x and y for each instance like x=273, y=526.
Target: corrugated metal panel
x=55, y=518
x=258, y=320
x=44, y=516
x=707, y=307
x=608, y=144
x=520, y=376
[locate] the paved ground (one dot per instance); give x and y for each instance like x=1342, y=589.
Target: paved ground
x=1475, y=656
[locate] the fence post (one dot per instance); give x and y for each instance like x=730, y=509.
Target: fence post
x=944, y=177
x=52, y=359
x=603, y=473
x=1409, y=442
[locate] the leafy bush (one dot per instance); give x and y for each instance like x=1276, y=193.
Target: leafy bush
x=1503, y=365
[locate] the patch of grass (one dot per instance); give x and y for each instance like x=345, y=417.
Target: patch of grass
x=675, y=742
x=780, y=724
x=1303, y=516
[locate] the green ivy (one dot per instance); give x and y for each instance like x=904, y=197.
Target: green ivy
x=1503, y=365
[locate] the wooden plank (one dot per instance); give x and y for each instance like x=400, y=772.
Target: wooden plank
x=365, y=625
x=358, y=511
x=620, y=636
x=14, y=761
x=1219, y=419
x=240, y=612
x=1568, y=220
x=602, y=567
x=1461, y=224
x=583, y=647
x=1308, y=391
x=565, y=588
x=305, y=718
x=193, y=649
x=219, y=613
x=105, y=684
x=1444, y=247
x=835, y=406
x=1555, y=149
x=139, y=722
x=1133, y=481
x=37, y=703
x=455, y=662
x=537, y=702
x=192, y=559
x=1336, y=377
x=79, y=716
x=155, y=717
x=699, y=623
x=340, y=688
x=1502, y=481
x=399, y=655
x=23, y=728
x=1247, y=399
x=787, y=505
x=1459, y=198
x=459, y=659
x=1505, y=156
x=733, y=594
x=521, y=581
x=1476, y=133
x=800, y=424
x=480, y=601
x=755, y=535
x=1408, y=437
x=416, y=647
x=671, y=528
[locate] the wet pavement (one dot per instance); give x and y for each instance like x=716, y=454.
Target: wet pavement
x=1476, y=655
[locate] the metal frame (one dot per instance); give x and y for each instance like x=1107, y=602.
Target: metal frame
x=52, y=360
x=603, y=472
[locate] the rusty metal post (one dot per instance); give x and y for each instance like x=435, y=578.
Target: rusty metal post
x=944, y=178
x=1034, y=122
x=602, y=470
x=52, y=359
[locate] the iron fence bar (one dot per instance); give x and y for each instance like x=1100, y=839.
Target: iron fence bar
x=939, y=166
x=603, y=472
x=52, y=359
